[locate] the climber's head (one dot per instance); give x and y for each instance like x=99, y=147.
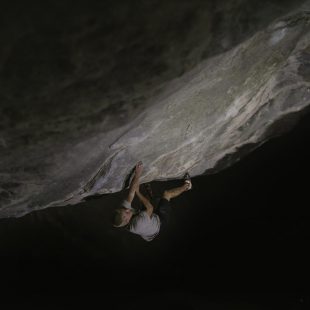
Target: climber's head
x=122, y=217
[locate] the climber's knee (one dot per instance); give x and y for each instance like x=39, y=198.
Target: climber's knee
x=167, y=195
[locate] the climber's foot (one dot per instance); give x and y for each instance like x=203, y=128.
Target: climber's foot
x=187, y=183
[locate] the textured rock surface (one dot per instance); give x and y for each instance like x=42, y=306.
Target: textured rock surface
x=181, y=86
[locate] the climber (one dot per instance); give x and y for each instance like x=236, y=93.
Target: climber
x=146, y=223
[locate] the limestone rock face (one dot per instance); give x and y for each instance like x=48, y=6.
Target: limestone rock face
x=86, y=92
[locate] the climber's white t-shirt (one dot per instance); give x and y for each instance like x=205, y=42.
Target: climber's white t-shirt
x=144, y=225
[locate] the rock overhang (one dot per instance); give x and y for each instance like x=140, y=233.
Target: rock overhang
x=199, y=117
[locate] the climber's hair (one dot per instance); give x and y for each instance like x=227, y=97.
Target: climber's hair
x=118, y=220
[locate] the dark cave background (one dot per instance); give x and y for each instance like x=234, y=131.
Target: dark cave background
x=239, y=239
x=239, y=235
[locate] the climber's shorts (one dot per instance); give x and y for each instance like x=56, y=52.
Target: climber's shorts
x=163, y=211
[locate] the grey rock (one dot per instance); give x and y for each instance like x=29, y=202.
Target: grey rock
x=184, y=86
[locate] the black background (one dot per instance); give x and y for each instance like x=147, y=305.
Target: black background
x=239, y=237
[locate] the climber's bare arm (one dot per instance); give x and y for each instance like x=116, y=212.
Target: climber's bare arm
x=149, y=207
x=135, y=182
